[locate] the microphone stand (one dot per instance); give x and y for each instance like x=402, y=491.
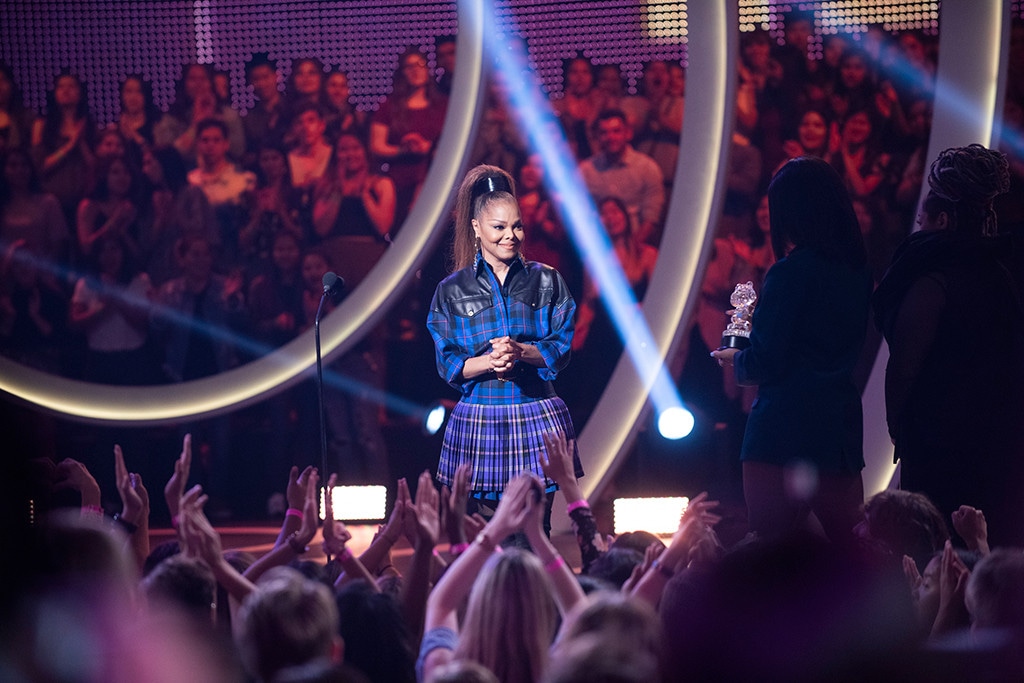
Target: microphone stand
x=330, y=281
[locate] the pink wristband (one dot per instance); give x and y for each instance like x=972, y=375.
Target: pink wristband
x=576, y=505
x=555, y=564
x=294, y=512
x=458, y=549
x=92, y=510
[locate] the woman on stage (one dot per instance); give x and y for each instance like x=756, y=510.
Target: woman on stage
x=502, y=329
x=803, y=451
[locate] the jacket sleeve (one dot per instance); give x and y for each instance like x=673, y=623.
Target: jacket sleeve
x=774, y=326
x=556, y=347
x=448, y=355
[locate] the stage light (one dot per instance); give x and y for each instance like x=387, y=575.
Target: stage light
x=659, y=516
x=675, y=423
x=435, y=418
x=356, y=503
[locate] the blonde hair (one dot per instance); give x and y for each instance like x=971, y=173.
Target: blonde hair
x=511, y=618
x=469, y=204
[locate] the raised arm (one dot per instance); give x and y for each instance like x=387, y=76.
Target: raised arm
x=296, y=542
x=556, y=463
x=200, y=540
x=134, y=514
x=697, y=516
x=175, y=487
x=454, y=586
x=427, y=531
x=567, y=589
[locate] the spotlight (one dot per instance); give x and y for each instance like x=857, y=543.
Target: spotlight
x=435, y=417
x=675, y=423
x=659, y=516
x=356, y=503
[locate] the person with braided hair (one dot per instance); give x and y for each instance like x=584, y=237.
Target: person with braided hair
x=502, y=328
x=951, y=310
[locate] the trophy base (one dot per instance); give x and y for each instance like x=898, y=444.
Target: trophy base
x=735, y=342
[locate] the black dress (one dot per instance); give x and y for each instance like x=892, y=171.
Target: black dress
x=950, y=308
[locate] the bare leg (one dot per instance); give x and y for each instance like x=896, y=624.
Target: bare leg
x=771, y=511
x=838, y=505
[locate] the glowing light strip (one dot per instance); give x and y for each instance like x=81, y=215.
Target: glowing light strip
x=339, y=331
x=689, y=230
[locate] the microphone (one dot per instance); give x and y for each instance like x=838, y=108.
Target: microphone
x=333, y=283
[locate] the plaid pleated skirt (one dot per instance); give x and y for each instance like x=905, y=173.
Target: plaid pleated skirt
x=501, y=441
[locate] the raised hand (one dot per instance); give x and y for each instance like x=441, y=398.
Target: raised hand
x=197, y=536
x=395, y=525
x=296, y=491
x=970, y=523
x=911, y=573
x=75, y=476
x=428, y=520
x=514, y=508
x=133, y=506
x=409, y=513
x=175, y=487
x=454, y=504
x=555, y=460
x=307, y=530
x=336, y=534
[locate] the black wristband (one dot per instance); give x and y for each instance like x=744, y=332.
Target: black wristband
x=125, y=524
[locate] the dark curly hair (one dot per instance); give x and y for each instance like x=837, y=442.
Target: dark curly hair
x=970, y=178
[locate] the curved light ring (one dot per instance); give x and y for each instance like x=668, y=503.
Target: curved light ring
x=688, y=236
x=339, y=331
x=969, y=87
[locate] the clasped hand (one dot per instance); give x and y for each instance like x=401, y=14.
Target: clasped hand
x=504, y=354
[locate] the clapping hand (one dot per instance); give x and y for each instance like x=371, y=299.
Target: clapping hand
x=75, y=476
x=134, y=497
x=336, y=534
x=426, y=516
x=970, y=523
x=175, y=487
x=453, y=510
x=297, y=491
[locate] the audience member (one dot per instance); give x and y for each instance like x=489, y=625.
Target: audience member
x=174, y=209
x=111, y=209
x=33, y=310
x=444, y=53
x=111, y=305
x=579, y=105
x=227, y=188
x=350, y=200
x=194, y=102
x=658, y=124
x=263, y=123
x=62, y=143
x=15, y=118
x=287, y=621
x=342, y=116
x=138, y=113
x=619, y=171
x=272, y=212
x=404, y=131
x=30, y=215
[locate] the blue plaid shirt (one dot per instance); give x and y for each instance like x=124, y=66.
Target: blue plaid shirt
x=470, y=308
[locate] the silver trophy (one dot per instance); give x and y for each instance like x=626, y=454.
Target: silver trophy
x=737, y=333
